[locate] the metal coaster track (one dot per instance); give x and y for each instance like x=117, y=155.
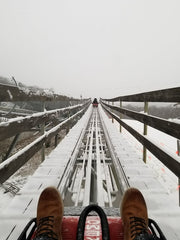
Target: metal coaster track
x=91, y=175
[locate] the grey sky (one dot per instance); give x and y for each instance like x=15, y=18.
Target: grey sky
x=95, y=48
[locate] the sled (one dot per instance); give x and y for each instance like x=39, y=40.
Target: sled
x=91, y=227
x=95, y=103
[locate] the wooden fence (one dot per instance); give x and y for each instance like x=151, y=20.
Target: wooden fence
x=34, y=122
x=172, y=95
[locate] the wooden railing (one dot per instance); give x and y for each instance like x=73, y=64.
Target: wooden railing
x=165, y=95
x=35, y=122
x=22, y=124
x=171, y=161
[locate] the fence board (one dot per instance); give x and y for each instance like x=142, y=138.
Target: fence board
x=22, y=124
x=163, y=125
x=164, y=95
x=169, y=161
x=12, y=164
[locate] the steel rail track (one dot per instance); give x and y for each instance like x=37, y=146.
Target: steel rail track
x=93, y=174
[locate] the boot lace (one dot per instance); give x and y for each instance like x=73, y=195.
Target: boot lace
x=139, y=229
x=45, y=229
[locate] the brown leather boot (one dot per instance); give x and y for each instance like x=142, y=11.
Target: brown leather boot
x=49, y=215
x=134, y=215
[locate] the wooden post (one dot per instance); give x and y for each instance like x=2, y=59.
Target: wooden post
x=145, y=132
x=42, y=132
x=56, y=140
x=112, y=111
x=178, y=152
x=120, y=116
x=11, y=146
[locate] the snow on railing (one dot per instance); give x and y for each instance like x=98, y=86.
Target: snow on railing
x=13, y=163
x=21, y=124
x=171, y=128
x=52, y=121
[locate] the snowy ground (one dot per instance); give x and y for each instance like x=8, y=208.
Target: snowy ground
x=164, y=175
x=20, y=178
x=167, y=215
x=16, y=211
x=158, y=185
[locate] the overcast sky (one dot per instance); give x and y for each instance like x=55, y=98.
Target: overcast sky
x=103, y=48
